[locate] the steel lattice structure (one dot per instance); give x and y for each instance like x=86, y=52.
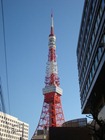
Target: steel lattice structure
x=52, y=113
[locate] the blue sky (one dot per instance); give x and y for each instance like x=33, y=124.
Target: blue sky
x=27, y=26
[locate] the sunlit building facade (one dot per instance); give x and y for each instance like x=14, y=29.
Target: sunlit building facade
x=11, y=128
x=91, y=57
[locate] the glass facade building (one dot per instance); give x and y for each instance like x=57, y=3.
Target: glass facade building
x=91, y=56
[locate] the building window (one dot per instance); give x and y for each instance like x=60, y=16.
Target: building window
x=100, y=12
x=92, y=38
x=96, y=62
x=90, y=77
x=90, y=48
x=104, y=39
x=103, y=1
x=93, y=69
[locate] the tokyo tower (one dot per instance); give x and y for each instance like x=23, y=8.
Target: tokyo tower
x=52, y=113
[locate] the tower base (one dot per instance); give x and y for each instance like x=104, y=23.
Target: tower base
x=39, y=137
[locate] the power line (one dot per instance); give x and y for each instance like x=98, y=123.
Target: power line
x=5, y=51
x=2, y=104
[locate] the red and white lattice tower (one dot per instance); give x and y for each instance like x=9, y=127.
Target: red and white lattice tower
x=52, y=113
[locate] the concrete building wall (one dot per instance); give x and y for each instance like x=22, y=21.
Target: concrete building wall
x=11, y=128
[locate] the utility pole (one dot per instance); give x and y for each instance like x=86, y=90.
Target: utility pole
x=21, y=138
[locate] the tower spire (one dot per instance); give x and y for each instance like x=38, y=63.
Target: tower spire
x=52, y=26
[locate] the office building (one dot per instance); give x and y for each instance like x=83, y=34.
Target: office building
x=91, y=57
x=11, y=128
